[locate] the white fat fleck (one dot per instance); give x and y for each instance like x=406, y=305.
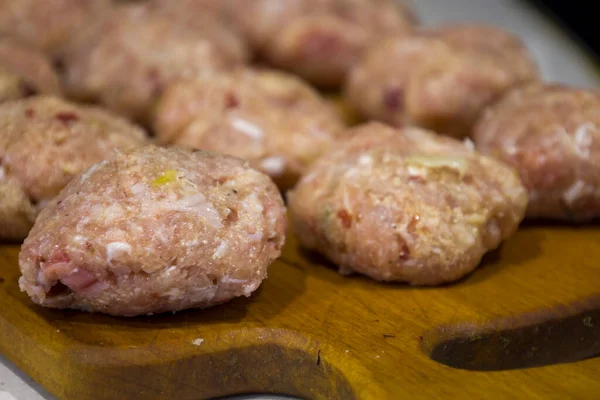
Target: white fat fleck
x=2, y=172
x=273, y=165
x=135, y=228
x=253, y=204
x=402, y=229
x=113, y=249
x=90, y=171
x=79, y=239
x=351, y=172
x=169, y=270
x=308, y=178
x=227, y=279
x=197, y=341
x=416, y=171
x=455, y=163
x=192, y=243
x=249, y=288
x=255, y=237
x=576, y=191
x=41, y=278
x=436, y=250
x=221, y=251
x=247, y=128
x=173, y=293
x=346, y=201
x=365, y=159
x=583, y=139
x=160, y=235
x=200, y=205
x=96, y=210
x=112, y=213
x=139, y=188
x=469, y=144
x=410, y=263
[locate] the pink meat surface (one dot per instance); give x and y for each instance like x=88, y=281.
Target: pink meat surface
x=154, y=230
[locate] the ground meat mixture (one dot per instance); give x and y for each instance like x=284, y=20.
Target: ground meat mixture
x=44, y=143
x=155, y=230
x=551, y=134
x=49, y=25
x=439, y=79
x=320, y=40
x=272, y=119
x=28, y=65
x=125, y=62
x=406, y=205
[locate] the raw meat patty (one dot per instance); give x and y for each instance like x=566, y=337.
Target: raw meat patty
x=44, y=143
x=30, y=65
x=126, y=61
x=155, y=230
x=212, y=18
x=272, y=119
x=406, y=205
x=440, y=79
x=318, y=39
x=551, y=134
x=49, y=24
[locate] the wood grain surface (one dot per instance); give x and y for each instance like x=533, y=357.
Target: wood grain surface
x=312, y=333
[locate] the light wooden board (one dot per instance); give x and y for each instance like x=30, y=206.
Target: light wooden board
x=312, y=333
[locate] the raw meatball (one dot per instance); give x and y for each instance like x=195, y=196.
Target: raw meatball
x=318, y=39
x=212, y=18
x=30, y=65
x=127, y=60
x=551, y=134
x=441, y=79
x=271, y=119
x=407, y=206
x=48, y=24
x=155, y=230
x=44, y=143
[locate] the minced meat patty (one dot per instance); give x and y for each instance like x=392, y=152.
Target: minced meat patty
x=154, y=230
x=406, y=205
x=44, y=143
x=440, y=79
x=274, y=120
x=551, y=134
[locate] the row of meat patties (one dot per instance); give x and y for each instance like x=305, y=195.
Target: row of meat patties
x=146, y=147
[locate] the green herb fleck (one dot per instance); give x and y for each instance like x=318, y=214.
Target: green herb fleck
x=167, y=177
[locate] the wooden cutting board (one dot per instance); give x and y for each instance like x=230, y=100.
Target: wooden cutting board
x=312, y=333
